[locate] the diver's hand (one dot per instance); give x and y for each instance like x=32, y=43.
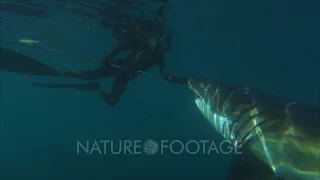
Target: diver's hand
x=175, y=79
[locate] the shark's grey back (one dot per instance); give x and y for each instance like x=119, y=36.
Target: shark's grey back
x=281, y=133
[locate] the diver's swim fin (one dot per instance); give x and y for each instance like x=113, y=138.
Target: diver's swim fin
x=12, y=61
x=247, y=166
x=91, y=86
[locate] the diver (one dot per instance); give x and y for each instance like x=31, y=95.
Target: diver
x=148, y=46
x=123, y=71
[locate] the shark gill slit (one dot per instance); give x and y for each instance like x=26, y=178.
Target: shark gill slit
x=225, y=106
x=223, y=127
x=243, y=112
x=246, y=122
x=251, y=130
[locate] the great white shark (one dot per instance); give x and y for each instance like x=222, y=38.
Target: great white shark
x=281, y=134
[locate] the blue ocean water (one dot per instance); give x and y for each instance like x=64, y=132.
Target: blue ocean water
x=265, y=44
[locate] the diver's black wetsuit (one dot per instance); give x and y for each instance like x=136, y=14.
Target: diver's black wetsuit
x=148, y=46
x=124, y=70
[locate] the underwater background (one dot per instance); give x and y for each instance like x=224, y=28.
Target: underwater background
x=273, y=46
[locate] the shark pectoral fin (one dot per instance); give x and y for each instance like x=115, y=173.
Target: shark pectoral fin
x=247, y=166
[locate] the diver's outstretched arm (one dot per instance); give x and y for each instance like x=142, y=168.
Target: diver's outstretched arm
x=175, y=79
x=91, y=86
x=172, y=79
